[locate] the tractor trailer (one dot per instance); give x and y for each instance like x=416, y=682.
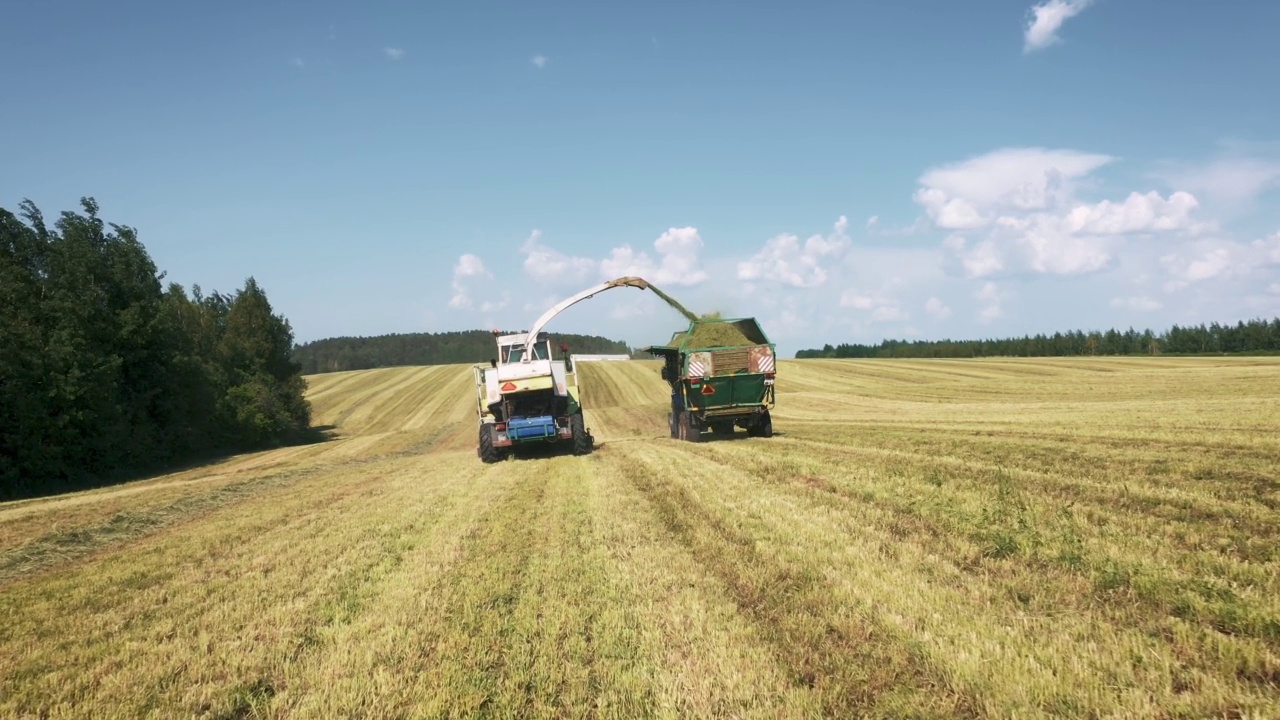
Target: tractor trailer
x=721, y=374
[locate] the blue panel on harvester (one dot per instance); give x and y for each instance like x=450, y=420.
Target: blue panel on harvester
x=531, y=428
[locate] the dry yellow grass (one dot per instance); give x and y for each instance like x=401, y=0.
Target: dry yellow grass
x=1031, y=538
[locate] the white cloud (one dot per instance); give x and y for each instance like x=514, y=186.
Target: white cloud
x=393, y=53
x=950, y=213
x=980, y=260
x=548, y=265
x=1043, y=244
x=1065, y=256
x=1231, y=181
x=539, y=60
x=297, y=62
x=856, y=300
x=785, y=260
x=1274, y=288
x=1046, y=19
x=1024, y=201
x=1138, y=213
x=991, y=298
x=1205, y=261
x=873, y=221
x=468, y=266
x=936, y=308
x=1141, y=303
x=1209, y=265
x=494, y=306
x=1029, y=178
x=1268, y=249
x=882, y=308
x=679, y=248
x=1222, y=261
x=1209, y=261
x=888, y=313
x=677, y=262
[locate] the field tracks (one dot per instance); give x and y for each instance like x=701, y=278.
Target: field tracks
x=1031, y=538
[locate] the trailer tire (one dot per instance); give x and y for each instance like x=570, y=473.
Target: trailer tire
x=688, y=429
x=582, y=441
x=763, y=427
x=488, y=453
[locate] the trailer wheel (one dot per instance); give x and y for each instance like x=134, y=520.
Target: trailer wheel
x=488, y=453
x=688, y=430
x=582, y=441
x=763, y=427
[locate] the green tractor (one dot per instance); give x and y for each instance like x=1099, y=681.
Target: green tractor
x=722, y=375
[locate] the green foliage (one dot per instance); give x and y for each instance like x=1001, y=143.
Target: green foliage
x=469, y=346
x=105, y=373
x=1253, y=336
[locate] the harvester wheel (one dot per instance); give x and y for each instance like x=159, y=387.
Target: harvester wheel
x=763, y=427
x=673, y=421
x=488, y=453
x=582, y=441
x=688, y=430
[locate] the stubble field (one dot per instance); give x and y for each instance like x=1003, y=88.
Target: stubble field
x=1067, y=538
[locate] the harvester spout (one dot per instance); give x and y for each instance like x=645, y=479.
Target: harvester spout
x=629, y=281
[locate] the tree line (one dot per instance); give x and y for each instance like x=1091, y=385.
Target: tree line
x=106, y=373
x=445, y=348
x=1252, y=336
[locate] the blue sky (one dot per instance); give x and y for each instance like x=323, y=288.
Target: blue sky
x=404, y=167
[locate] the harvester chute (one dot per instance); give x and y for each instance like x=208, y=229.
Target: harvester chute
x=561, y=306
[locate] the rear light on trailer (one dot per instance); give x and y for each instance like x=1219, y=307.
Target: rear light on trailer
x=508, y=386
x=770, y=375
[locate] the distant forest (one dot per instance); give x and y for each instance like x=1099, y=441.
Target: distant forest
x=1254, y=336
x=105, y=373
x=446, y=348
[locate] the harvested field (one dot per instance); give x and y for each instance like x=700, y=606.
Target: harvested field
x=993, y=538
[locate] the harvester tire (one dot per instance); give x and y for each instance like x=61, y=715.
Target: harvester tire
x=763, y=427
x=674, y=422
x=488, y=453
x=582, y=440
